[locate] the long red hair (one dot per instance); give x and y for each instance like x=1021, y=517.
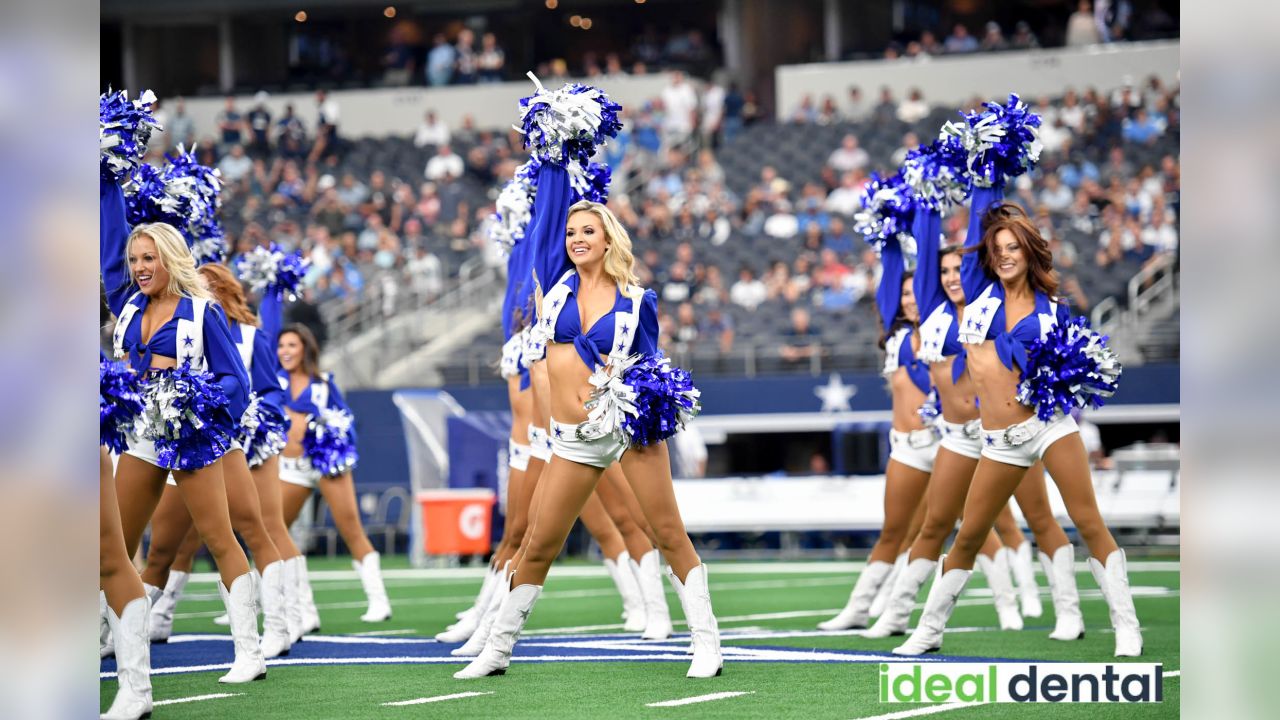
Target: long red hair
x=1010, y=216
x=227, y=291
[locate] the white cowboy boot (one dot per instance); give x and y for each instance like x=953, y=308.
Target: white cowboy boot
x=370, y=569
x=275, y=628
x=133, y=661
x=469, y=619
x=1061, y=571
x=310, y=617
x=649, y=577
x=938, y=607
x=1113, y=578
x=162, y=609
x=902, y=599
x=242, y=608
x=224, y=619
x=516, y=605
x=1024, y=575
x=1006, y=600
x=882, y=596
x=475, y=643
x=704, y=631
x=105, y=647
x=856, y=612
x=292, y=599
x=633, y=610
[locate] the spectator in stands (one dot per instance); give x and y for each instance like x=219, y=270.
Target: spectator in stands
x=1077, y=170
x=960, y=41
x=230, y=125
x=914, y=108
x=491, y=59
x=800, y=341
x=855, y=106
x=180, y=128
x=712, y=113
x=259, y=124
x=838, y=239
x=1055, y=196
x=930, y=45
x=1141, y=128
x=440, y=61
x=466, y=67
x=688, y=453
x=1081, y=27
x=446, y=165
x=910, y=141
x=781, y=224
x=1117, y=165
x=235, y=166
x=748, y=292
x=291, y=135
x=1023, y=38
x=1072, y=113
x=327, y=116
x=432, y=131
x=813, y=216
x=828, y=113
x=849, y=156
x=800, y=281
x=806, y=112
x=886, y=110
x=686, y=332
x=846, y=199
x=680, y=102
x=677, y=287
x=993, y=38
x=734, y=104
x=718, y=326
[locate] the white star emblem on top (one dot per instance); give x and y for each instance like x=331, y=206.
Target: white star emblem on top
x=835, y=395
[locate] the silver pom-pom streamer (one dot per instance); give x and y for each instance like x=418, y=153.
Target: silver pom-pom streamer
x=567, y=124
x=641, y=401
x=936, y=174
x=886, y=211
x=328, y=442
x=186, y=415
x=514, y=211
x=1070, y=367
x=1000, y=143
x=124, y=129
x=272, y=271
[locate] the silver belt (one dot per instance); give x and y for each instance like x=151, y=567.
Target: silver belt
x=1015, y=435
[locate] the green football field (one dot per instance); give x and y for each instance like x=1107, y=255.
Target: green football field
x=577, y=664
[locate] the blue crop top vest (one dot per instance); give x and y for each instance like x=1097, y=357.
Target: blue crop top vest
x=984, y=313
x=218, y=352
x=631, y=326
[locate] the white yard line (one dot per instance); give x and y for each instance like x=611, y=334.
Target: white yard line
x=928, y=710
x=376, y=633
x=699, y=699
x=195, y=698
x=437, y=698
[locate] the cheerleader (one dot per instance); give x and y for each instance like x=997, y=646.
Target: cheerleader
x=310, y=395
x=167, y=321
x=938, y=289
x=1009, y=281
x=913, y=443
x=594, y=313
x=253, y=485
x=121, y=598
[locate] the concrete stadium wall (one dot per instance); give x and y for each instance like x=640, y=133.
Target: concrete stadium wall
x=398, y=111
x=954, y=80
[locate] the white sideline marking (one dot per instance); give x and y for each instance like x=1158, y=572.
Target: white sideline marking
x=437, y=698
x=928, y=710
x=599, y=571
x=195, y=698
x=699, y=699
x=375, y=633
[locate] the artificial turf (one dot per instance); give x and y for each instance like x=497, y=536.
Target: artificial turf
x=744, y=598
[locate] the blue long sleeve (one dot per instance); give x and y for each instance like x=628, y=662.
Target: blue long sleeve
x=926, y=226
x=546, y=229
x=889, y=294
x=972, y=274
x=113, y=237
x=224, y=360
x=271, y=312
x=646, y=341
x=263, y=378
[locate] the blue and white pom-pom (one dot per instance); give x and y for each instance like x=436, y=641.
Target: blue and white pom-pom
x=1000, y=143
x=211, y=247
x=514, y=211
x=264, y=431
x=124, y=129
x=931, y=409
x=328, y=443
x=187, y=416
x=589, y=182
x=272, y=271
x=1070, y=367
x=642, y=400
x=886, y=211
x=568, y=124
x=119, y=404
x=935, y=174
x=184, y=193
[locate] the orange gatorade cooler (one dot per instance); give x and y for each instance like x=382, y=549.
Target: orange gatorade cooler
x=456, y=522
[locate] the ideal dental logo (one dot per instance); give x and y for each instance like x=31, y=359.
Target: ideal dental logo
x=1022, y=682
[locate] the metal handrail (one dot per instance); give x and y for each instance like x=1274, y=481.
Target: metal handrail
x=1162, y=278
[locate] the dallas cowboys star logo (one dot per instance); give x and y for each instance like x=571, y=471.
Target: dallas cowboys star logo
x=835, y=395
x=187, y=341
x=558, y=432
x=991, y=440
